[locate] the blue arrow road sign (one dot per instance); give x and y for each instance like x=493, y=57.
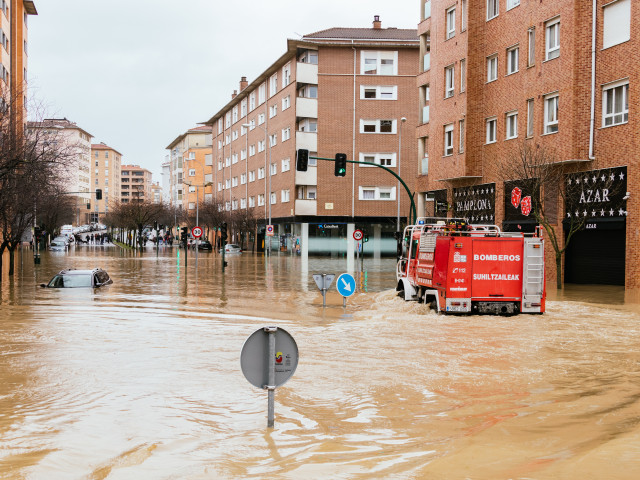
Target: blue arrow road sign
x=346, y=285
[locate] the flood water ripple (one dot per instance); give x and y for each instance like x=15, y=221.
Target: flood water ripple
x=141, y=379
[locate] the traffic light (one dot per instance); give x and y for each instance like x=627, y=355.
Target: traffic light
x=340, y=165
x=223, y=231
x=302, y=160
x=183, y=235
x=88, y=205
x=98, y=194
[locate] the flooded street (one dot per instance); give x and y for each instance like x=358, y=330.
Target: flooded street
x=141, y=379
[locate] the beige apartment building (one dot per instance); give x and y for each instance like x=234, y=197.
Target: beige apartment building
x=340, y=90
x=156, y=192
x=76, y=176
x=497, y=75
x=135, y=184
x=189, y=168
x=106, y=164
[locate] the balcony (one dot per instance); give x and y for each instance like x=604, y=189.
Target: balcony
x=306, y=207
x=307, y=73
x=306, y=107
x=308, y=140
x=310, y=177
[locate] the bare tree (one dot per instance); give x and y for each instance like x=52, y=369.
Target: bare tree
x=549, y=188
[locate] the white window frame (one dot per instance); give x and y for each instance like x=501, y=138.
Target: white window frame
x=243, y=178
x=286, y=134
x=511, y=125
x=531, y=52
x=552, y=50
x=513, y=58
x=192, y=172
x=491, y=130
x=377, y=125
x=243, y=203
x=461, y=134
x=261, y=199
x=380, y=92
x=234, y=181
x=252, y=202
x=620, y=87
x=273, y=169
x=463, y=15
x=450, y=23
x=261, y=118
x=252, y=101
x=262, y=93
x=260, y=173
x=551, y=101
x=286, y=75
x=252, y=176
x=285, y=195
x=385, y=159
x=376, y=193
x=274, y=198
x=243, y=108
x=273, y=110
x=613, y=31
x=308, y=125
x=234, y=114
x=448, y=140
x=512, y=4
x=252, y=150
x=286, y=165
x=273, y=85
x=463, y=74
x=450, y=81
x=492, y=68
x=273, y=140
x=286, y=102
x=493, y=9
x=530, y=117
x=377, y=57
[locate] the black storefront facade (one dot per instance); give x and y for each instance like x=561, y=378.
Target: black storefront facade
x=596, y=200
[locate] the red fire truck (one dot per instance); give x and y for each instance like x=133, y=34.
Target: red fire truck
x=461, y=268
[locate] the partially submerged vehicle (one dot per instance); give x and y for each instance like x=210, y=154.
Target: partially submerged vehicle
x=71, y=278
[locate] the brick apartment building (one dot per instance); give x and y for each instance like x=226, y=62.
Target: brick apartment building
x=340, y=90
x=106, y=164
x=135, y=184
x=189, y=168
x=496, y=74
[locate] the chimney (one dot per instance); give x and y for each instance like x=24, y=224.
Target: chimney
x=234, y=94
x=243, y=83
x=377, y=24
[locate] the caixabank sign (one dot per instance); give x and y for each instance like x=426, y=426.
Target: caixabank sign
x=475, y=203
x=597, y=198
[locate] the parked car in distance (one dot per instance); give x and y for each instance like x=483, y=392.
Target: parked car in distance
x=60, y=245
x=71, y=278
x=205, y=245
x=231, y=248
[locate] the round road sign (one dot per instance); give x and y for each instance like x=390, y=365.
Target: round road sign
x=270, y=230
x=196, y=232
x=346, y=285
x=357, y=235
x=254, y=359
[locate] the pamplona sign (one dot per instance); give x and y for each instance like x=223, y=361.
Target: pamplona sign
x=596, y=194
x=476, y=203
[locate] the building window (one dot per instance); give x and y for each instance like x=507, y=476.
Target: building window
x=286, y=165
x=308, y=91
x=260, y=173
x=227, y=120
x=273, y=197
x=273, y=169
x=243, y=203
x=284, y=197
x=234, y=182
x=448, y=140
x=192, y=189
x=192, y=172
x=286, y=75
x=512, y=3
x=377, y=193
x=261, y=145
x=234, y=135
x=551, y=113
x=379, y=62
x=234, y=158
x=273, y=85
x=243, y=108
x=261, y=119
x=617, y=23
x=252, y=150
x=192, y=206
x=531, y=59
x=243, y=178
x=463, y=15
x=309, y=56
x=492, y=124
x=252, y=202
x=377, y=126
x=273, y=140
x=463, y=75
x=512, y=60
x=530, y=118
x=384, y=159
x=615, y=103
x=243, y=154
x=252, y=101
x=552, y=28
x=260, y=200
x=449, y=81
x=461, y=135
x=252, y=176
x=493, y=9
x=372, y=92
x=273, y=110
x=286, y=102
x=286, y=134
x=512, y=125
x=451, y=22
x=262, y=90
x=492, y=68
x=308, y=125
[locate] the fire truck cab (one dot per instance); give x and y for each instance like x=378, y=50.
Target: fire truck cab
x=460, y=268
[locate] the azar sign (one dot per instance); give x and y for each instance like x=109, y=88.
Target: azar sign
x=596, y=195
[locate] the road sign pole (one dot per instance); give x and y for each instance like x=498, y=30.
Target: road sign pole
x=271, y=388
x=324, y=291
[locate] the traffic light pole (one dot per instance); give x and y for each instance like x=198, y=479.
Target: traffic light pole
x=413, y=205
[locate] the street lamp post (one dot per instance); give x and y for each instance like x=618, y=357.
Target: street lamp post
x=402, y=120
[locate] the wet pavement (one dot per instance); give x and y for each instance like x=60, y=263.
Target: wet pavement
x=141, y=379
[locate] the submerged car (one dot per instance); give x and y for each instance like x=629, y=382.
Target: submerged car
x=205, y=245
x=71, y=278
x=59, y=243
x=231, y=248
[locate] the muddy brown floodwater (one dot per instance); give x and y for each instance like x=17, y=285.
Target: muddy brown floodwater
x=142, y=380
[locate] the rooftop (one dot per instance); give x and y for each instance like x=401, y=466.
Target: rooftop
x=340, y=33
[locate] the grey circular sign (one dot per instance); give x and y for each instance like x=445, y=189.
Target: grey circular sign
x=254, y=359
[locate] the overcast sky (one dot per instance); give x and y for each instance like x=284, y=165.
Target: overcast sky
x=138, y=73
